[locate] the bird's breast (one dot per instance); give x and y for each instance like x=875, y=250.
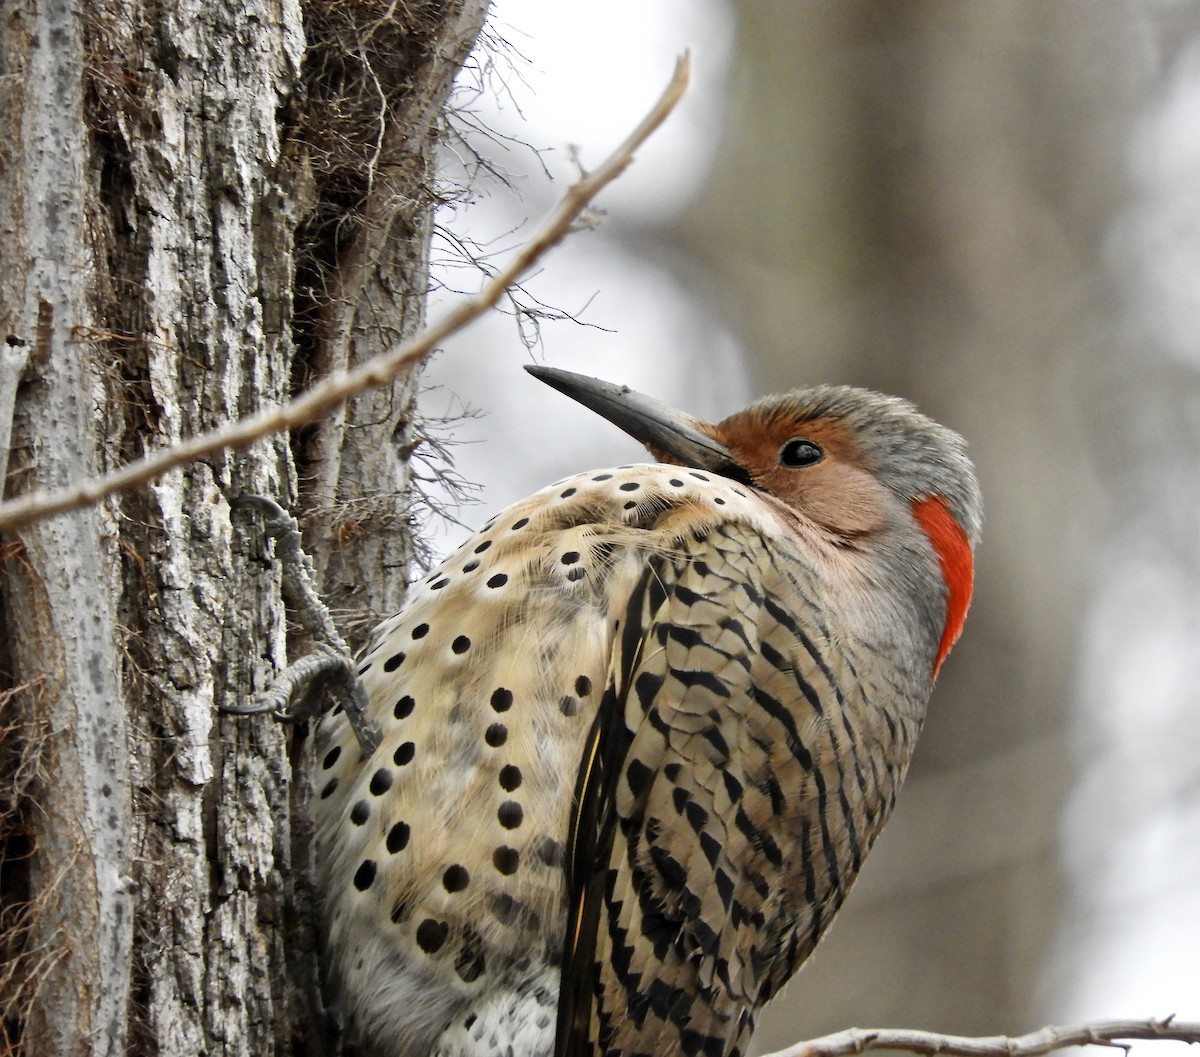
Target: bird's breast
x=442, y=854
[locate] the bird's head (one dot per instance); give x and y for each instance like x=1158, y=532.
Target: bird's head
x=851, y=461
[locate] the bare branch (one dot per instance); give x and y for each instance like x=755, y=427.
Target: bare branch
x=342, y=385
x=1116, y=1033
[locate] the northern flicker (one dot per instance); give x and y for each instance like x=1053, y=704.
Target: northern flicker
x=640, y=731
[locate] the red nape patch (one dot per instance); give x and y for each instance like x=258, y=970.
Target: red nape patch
x=958, y=566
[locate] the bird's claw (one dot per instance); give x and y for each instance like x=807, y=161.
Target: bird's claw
x=329, y=670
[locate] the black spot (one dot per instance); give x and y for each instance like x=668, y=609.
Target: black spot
x=510, y=777
x=381, y=782
x=602, y=477
x=698, y=476
x=672, y=771
x=630, y=486
x=631, y=505
x=330, y=786
x=583, y=686
x=483, y=546
x=675, y=482
x=506, y=860
x=401, y=912
x=733, y=787
x=738, y=491
x=672, y=871
x=461, y=644
x=502, y=700
x=499, y=580
x=696, y=815
x=364, y=668
x=577, y=574
x=504, y=907
x=471, y=566
x=510, y=815
x=638, y=775
x=711, y=734
x=550, y=851
x=469, y=964
x=568, y=705
x=393, y=662
x=497, y=735
x=404, y=707
x=718, y=500
x=431, y=935
x=364, y=876
x=456, y=878
x=440, y=584
x=724, y=885
x=331, y=757
x=420, y=631
x=570, y=558
x=519, y=524
x=646, y=686
x=360, y=812
x=470, y=1021
x=567, y=494
x=404, y=754
x=397, y=838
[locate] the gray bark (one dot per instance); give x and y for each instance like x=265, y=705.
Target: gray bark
x=63, y=577
x=198, y=214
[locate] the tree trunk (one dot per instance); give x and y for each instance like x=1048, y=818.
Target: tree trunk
x=204, y=206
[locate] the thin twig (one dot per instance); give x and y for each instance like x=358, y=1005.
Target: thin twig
x=1116, y=1033
x=342, y=385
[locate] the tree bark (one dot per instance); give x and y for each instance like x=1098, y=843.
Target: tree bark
x=62, y=585
x=204, y=205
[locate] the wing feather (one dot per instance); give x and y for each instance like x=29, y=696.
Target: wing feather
x=677, y=882
x=726, y=803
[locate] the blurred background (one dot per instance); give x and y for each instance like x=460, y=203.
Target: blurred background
x=993, y=208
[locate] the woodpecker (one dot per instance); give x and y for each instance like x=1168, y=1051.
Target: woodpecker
x=641, y=730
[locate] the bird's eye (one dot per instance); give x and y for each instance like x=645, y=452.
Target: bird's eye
x=800, y=452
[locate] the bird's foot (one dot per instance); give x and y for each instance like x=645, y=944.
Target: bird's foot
x=326, y=677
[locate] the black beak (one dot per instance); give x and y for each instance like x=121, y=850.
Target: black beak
x=665, y=431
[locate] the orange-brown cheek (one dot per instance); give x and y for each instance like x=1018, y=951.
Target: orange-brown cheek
x=843, y=499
